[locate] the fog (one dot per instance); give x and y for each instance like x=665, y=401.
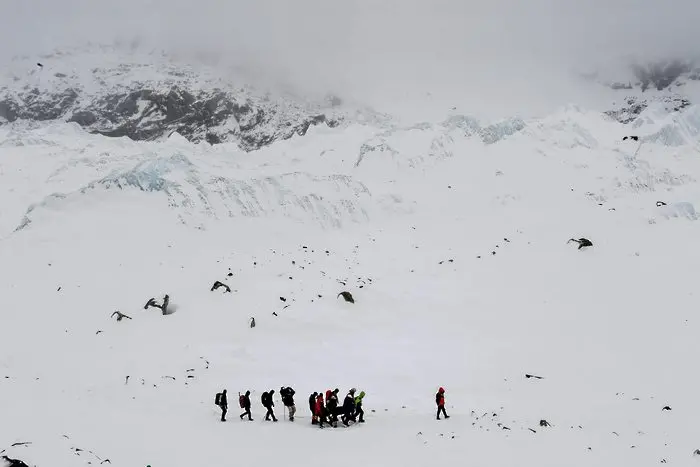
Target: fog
x=385, y=52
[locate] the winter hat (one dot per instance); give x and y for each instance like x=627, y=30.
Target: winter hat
x=353, y=390
x=362, y=394
x=441, y=390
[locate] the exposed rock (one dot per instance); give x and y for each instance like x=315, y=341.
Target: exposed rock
x=218, y=284
x=660, y=75
x=13, y=462
x=582, y=242
x=347, y=296
x=632, y=107
x=173, y=99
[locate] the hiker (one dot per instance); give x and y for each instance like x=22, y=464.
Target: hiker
x=349, y=408
x=332, y=407
x=312, y=408
x=163, y=307
x=440, y=401
x=267, y=402
x=320, y=410
x=222, y=402
x=358, y=407
x=288, y=401
x=244, y=402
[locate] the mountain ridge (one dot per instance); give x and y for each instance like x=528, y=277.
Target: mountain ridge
x=150, y=96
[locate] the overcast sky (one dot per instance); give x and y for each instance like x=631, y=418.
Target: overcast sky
x=373, y=48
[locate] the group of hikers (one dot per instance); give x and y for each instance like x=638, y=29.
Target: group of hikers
x=322, y=411
x=351, y=410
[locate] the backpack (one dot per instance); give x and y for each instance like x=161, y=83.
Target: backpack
x=287, y=396
x=217, y=399
x=241, y=401
x=264, y=398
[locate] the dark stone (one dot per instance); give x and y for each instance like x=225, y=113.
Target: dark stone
x=9, y=110
x=13, y=462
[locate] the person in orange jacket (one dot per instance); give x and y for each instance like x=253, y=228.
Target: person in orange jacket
x=440, y=401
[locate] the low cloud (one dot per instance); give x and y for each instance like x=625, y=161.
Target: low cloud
x=380, y=51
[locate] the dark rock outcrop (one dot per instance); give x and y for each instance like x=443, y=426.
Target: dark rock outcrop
x=661, y=75
x=12, y=462
x=213, y=116
x=632, y=107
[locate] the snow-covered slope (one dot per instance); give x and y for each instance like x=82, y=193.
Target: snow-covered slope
x=452, y=237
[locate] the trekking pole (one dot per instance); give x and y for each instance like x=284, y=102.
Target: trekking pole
x=284, y=409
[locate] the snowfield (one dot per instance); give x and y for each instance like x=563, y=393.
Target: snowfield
x=452, y=237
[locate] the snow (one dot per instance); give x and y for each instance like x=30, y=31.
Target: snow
x=454, y=247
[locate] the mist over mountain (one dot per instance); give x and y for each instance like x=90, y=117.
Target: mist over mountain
x=411, y=56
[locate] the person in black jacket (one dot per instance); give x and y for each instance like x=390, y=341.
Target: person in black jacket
x=349, y=407
x=312, y=408
x=223, y=403
x=332, y=408
x=246, y=406
x=267, y=402
x=288, y=401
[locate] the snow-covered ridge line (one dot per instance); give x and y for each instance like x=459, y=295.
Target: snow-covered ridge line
x=340, y=179
x=146, y=99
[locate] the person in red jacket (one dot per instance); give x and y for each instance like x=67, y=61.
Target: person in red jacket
x=320, y=411
x=440, y=401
